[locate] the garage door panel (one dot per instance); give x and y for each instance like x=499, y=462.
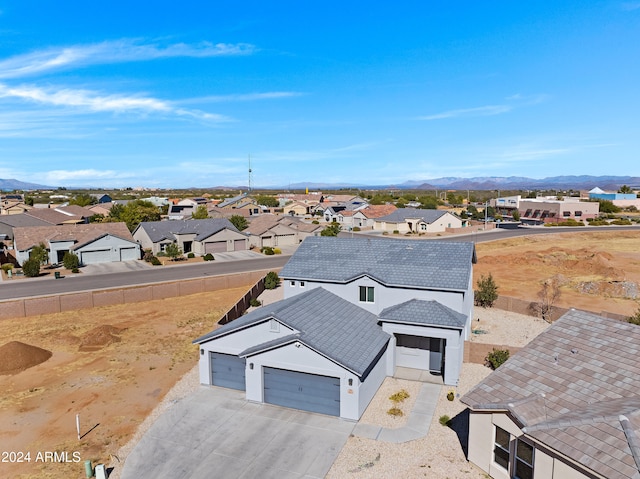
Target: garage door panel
x=228, y=371
x=305, y=391
x=215, y=247
x=239, y=245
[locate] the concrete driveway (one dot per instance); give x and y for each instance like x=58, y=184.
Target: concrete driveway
x=215, y=432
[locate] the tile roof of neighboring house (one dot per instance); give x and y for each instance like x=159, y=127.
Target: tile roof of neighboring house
x=231, y=201
x=160, y=230
x=22, y=220
x=332, y=326
x=300, y=225
x=576, y=389
x=377, y=211
x=426, y=313
x=339, y=198
x=75, y=210
x=442, y=265
x=54, y=217
x=30, y=236
x=400, y=215
x=261, y=224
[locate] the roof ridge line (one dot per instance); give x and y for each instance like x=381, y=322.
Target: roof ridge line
x=632, y=439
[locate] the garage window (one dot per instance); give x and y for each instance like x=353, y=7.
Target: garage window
x=366, y=294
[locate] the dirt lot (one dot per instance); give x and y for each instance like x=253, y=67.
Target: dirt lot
x=111, y=365
x=597, y=271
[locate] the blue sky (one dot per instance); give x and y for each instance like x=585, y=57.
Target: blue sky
x=179, y=94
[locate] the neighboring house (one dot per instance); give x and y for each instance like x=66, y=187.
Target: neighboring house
x=405, y=220
x=101, y=209
x=10, y=207
x=92, y=243
x=9, y=222
x=353, y=311
x=193, y=201
x=56, y=216
x=365, y=217
x=298, y=208
x=565, y=406
x=180, y=212
x=552, y=210
x=266, y=230
x=157, y=201
x=304, y=229
x=76, y=211
x=192, y=236
x=621, y=200
x=101, y=197
x=240, y=203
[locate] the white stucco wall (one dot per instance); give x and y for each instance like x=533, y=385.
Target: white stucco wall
x=373, y=382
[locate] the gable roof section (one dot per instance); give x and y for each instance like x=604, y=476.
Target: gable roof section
x=81, y=234
x=401, y=215
x=587, y=367
x=22, y=220
x=161, y=230
x=339, y=330
x=54, y=217
x=442, y=265
x=424, y=313
x=261, y=224
x=378, y=211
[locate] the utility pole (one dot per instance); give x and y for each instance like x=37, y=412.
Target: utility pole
x=249, y=174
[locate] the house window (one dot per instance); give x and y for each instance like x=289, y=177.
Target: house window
x=501, y=448
x=293, y=283
x=566, y=213
x=302, y=284
x=366, y=294
x=524, y=460
x=423, y=226
x=578, y=213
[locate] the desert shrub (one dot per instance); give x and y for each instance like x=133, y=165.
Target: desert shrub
x=399, y=396
x=621, y=222
x=396, y=412
x=356, y=228
x=385, y=233
x=277, y=251
x=395, y=232
x=268, y=250
x=70, y=260
x=496, y=358
x=272, y=280
x=31, y=268
x=75, y=270
x=173, y=251
x=635, y=319
x=255, y=302
x=450, y=396
x=40, y=254
x=161, y=254
x=444, y=420
x=208, y=257
x=155, y=261
x=148, y=254
x=487, y=292
x=191, y=255
x=315, y=222
x=7, y=267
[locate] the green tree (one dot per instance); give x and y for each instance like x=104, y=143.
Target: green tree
x=138, y=211
x=516, y=215
x=115, y=213
x=332, y=230
x=625, y=189
x=70, y=260
x=28, y=200
x=173, y=251
x=200, y=213
x=83, y=199
x=607, y=206
x=428, y=202
x=496, y=358
x=487, y=292
x=40, y=254
x=31, y=268
x=272, y=280
x=240, y=222
x=269, y=201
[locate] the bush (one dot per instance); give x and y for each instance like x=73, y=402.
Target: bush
x=161, y=254
x=621, y=222
x=75, y=270
x=487, y=292
x=148, y=255
x=31, y=268
x=635, y=319
x=255, y=302
x=356, y=228
x=272, y=280
x=315, y=222
x=399, y=396
x=155, y=261
x=70, y=260
x=268, y=250
x=450, y=396
x=277, y=251
x=7, y=267
x=396, y=412
x=496, y=358
x=191, y=255
x=208, y=257
x=444, y=420
x=395, y=232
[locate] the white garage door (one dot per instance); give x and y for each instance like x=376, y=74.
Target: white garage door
x=99, y=256
x=128, y=254
x=285, y=240
x=215, y=247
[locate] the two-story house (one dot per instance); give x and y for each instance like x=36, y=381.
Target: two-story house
x=353, y=311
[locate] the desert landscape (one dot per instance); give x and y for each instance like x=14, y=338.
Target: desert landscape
x=111, y=365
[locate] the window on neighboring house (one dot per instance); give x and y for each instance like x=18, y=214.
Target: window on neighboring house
x=302, y=284
x=293, y=283
x=578, y=213
x=501, y=448
x=366, y=294
x=524, y=460
x=566, y=213
x=163, y=246
x=423, y=226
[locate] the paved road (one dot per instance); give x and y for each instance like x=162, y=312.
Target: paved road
x=27, y=288
x=216, y=433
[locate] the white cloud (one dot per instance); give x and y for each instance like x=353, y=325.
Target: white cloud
x=83, y=175
x=242, y=97
x=94, y=102
x=488, y=110
x=118, y=51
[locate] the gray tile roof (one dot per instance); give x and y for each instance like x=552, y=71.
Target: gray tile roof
x=402, y=214
x=160, y=230
x=336, y=328
x=230, y=201
x=22, y=219
x=444, y=265
x=426, y=313
x=588, y=370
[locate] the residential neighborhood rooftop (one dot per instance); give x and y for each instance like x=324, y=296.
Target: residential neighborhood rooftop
x=80, y=234
x=402, y=214
x=159, y=230
x=430, y=313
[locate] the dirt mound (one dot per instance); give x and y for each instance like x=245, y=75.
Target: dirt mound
x=16, y=356
x=99, y=337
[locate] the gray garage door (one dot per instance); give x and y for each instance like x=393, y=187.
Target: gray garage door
x=215, y=247
x=227, y=371
x=309, y=392
x=239, y=245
